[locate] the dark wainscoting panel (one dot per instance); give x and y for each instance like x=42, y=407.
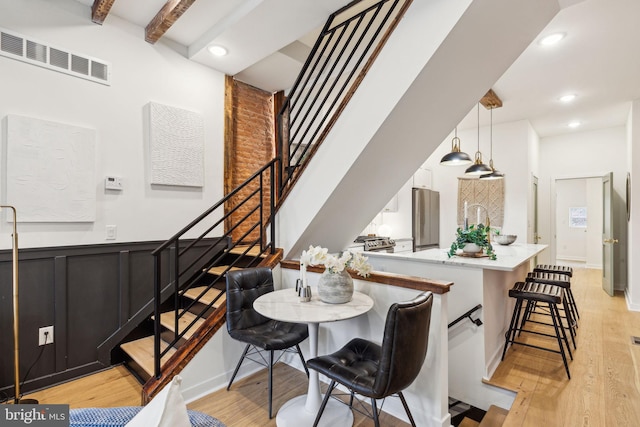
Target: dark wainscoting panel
x=88, y=293
x=93, y=290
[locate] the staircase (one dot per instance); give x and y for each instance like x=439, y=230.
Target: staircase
x=188, y=304
x=441, y=58
x=189, y=307
x=196, y=305
x=189, y=301
x=494, y=417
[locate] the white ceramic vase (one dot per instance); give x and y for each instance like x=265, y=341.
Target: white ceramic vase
x=335, y=288
x=471, y=248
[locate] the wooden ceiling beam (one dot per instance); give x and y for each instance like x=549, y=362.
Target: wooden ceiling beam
x=491, y=100
x=100, y=10
x=168, y=15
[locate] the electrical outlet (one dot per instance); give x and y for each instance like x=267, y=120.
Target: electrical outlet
x=45, y=335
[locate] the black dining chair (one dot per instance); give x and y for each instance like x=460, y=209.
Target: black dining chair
x=258, y=332
x=378, y=371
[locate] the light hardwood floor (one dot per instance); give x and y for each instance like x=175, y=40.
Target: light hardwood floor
x=245, y=405
x=604, y=389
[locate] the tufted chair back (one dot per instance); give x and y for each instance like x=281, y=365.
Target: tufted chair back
x=404, y=345
x=243, y=288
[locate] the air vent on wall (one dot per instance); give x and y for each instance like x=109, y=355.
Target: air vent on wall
x=16, y=46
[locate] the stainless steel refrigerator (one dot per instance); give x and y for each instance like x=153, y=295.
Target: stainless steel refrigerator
x=425, y=218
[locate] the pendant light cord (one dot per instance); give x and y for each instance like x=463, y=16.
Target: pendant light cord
x=478, y=110
x=491, y=133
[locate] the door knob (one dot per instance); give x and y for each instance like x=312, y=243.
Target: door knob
x=610, y=240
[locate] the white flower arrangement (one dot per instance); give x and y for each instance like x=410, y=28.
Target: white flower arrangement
x=317, y=255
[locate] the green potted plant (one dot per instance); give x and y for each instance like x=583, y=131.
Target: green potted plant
x=473, y=235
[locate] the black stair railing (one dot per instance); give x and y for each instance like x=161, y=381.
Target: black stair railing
x=238, y=222
x=344, y=51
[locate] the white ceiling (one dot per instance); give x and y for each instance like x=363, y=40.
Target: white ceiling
x=598, y=59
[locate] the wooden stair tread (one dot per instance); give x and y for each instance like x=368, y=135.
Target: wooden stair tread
x=468, y=422
x=221, y=269
x=208, y=297
x=167, y=319
x=239, y=250
x=494, y=417
x=141, y=351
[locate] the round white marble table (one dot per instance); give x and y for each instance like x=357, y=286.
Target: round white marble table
x=285, y=306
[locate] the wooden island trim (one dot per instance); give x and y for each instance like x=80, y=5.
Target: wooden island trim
x=385, y=278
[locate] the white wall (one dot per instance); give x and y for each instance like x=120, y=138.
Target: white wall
x=141, y=73
x=397, y=221
x=633, y=165
x=582, y=155
x=533, y=168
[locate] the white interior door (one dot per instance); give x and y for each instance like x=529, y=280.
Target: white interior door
x=536, y=237
x=607, y=234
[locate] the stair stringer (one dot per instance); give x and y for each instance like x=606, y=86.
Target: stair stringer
x=438, y=63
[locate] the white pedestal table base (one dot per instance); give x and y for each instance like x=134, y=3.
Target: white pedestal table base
x=294, y=414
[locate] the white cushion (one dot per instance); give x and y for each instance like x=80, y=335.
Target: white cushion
x=166, y=409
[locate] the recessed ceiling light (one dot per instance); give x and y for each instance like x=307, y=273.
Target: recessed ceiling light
x=574, y=124
x=552, y=39
x=567, y=98
x=216, y=50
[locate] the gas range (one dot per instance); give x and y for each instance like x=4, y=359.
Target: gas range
x=376, y=243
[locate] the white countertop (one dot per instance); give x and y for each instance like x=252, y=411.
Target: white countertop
x=508, y=257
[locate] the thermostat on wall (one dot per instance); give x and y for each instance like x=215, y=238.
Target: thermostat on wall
x=113, y=183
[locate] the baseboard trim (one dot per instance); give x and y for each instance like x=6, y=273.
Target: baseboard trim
x=570, y=259
x=37, y=384
x=630, y=305
x=211, y=385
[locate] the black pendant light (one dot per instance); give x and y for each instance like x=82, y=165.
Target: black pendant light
x=478, y=168
x=494, y=174
x=456, y=157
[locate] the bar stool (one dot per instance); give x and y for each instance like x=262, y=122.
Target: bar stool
x=540, y=293
x=562, y=281
x=552, y=268
x=560, y=269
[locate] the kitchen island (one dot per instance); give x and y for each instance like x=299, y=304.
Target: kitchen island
x=474, y=351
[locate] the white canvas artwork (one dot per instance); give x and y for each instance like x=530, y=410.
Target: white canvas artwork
x=50, y=170
x=176, y=146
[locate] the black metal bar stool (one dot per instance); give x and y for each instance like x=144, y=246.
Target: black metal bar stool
x=540, y=293
x=560, y=269
x=562, y=281
x=553, y=268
